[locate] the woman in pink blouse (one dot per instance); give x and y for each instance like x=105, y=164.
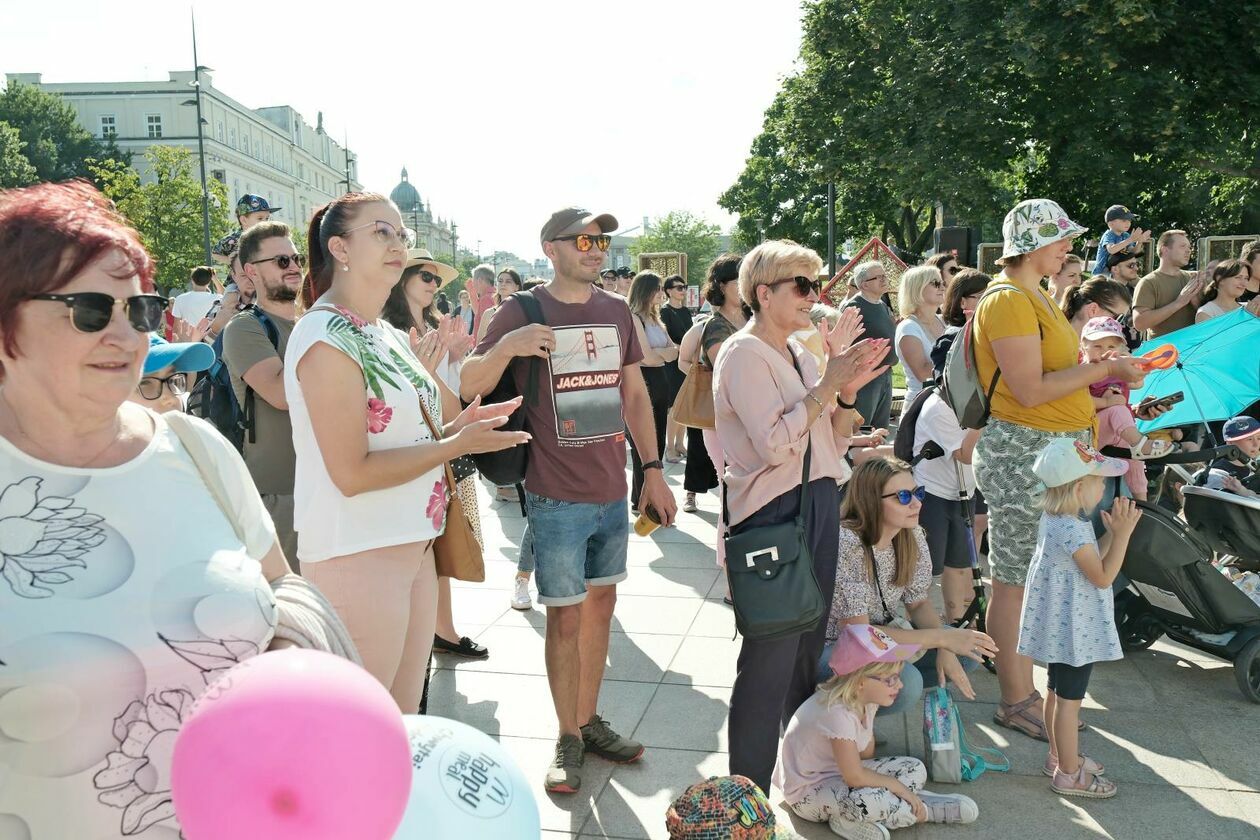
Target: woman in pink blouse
x=770, y=402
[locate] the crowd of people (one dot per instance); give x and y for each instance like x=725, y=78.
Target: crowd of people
x=361, y=402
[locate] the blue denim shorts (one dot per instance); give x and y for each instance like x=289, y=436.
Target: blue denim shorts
x=575, y=545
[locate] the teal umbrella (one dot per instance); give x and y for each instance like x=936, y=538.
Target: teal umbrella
x=1218, y=369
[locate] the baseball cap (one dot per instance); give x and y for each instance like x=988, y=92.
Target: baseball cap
x=625, y=271
x=250, y=203
x=1240, y=428
x=571, y=220
x=724, y=808
x=1065, y=460
x=1099, y=327
x=1124, y=255
x=1119, y=211
x=608, y=272
x=1033, y=224
x=861, y=644
x=186, y=356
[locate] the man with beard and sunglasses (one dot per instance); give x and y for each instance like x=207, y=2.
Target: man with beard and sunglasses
x=253, y=350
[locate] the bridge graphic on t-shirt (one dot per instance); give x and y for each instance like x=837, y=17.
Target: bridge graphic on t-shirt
x=585, y=373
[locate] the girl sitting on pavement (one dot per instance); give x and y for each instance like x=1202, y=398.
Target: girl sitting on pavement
x=827, y=768
x=1068, y=618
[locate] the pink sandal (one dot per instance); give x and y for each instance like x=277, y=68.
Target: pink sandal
x=1083, y=784
x=1087, y=764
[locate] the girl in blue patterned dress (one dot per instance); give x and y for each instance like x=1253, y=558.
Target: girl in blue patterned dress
x=1068, y=620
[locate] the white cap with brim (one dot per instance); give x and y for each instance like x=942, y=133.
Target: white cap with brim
x=1065, y=460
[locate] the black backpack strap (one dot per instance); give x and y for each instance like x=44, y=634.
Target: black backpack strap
x=533, y=315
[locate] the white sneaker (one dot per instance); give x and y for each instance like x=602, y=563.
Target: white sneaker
x=949, y=807
x=520, y=594
x=857, y=830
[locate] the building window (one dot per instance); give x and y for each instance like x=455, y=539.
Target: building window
x=218, y=131
x=109, y=126
x=154, y=123
x=232, y=137
x=301, y=172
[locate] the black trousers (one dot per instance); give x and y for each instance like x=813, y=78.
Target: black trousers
x=658, y=391
x=700, y=476
x=774, y=678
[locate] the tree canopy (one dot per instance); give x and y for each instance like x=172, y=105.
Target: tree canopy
x=54, y=145
x=682, y=231
x=978, y=104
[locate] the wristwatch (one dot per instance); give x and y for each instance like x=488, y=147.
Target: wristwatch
x=653, y=465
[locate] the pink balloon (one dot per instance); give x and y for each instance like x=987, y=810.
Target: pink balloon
x=292, y=745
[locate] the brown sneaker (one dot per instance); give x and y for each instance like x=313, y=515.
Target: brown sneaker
x=565, y=773
x=600, y=739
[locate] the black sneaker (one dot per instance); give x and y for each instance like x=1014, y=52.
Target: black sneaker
x=565, y=773
x=600, y=739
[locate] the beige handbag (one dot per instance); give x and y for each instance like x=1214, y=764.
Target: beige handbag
x=693, y=407
x=458, y=550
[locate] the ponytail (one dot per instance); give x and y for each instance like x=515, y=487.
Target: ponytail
x=1103, y=291
x=330, y=220
x=1073, y=301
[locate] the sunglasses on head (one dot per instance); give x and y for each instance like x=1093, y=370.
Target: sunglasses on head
x=905, y=496
x=284, y=261
x=804, y=285
x=429, y=277
x=954, y=270
x=150, y=387
x=92, y=311
x=585, y=241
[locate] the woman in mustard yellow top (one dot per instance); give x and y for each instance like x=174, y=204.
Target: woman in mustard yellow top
x=1042, y=394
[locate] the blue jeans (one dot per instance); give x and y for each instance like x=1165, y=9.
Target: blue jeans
x=915, y=676
x=575, y=545
x=525, y=560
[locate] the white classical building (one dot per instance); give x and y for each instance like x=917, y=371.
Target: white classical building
x=272, y=152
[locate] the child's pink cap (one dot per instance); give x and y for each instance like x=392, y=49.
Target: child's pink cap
x=862, y=644
x=1099, y=327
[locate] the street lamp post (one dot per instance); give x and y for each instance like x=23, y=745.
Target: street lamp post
x=201, y=146
x=454, y=245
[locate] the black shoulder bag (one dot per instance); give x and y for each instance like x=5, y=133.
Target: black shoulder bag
x=770, y=570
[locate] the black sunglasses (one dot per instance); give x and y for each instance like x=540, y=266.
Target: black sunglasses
x=585, y=241
x=429, y=277
x=284, y=261
x=150, y=387
x=675, y=286
x=92, y=311
x=804, y=285
x=954, y=270
x=904, y=496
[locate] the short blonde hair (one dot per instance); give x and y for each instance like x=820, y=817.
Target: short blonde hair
x=773, y=260
x=846, y=689
x=1063, y=500
x=910, y=290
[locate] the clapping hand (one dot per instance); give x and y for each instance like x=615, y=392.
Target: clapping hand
x=454, y=337
x=1123, y=517
x=428, y=348
x=183, y=331
x=839, y=338
x=476, y=412
x=857, y=365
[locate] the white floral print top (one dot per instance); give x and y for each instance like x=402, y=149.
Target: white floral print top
x=123, y=593
x=328, y=523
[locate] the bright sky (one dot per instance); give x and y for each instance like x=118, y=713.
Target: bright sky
x=502, y=111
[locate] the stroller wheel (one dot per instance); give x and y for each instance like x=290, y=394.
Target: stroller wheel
x=1247, y=670
x=1138, y=630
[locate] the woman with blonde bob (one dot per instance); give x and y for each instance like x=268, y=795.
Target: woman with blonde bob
x=919, y=298
x=771, y=405
x=883, y=567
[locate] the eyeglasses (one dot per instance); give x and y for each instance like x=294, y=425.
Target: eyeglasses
x=891, y=682
x=585, y=241
x=804, y=285
x=429, y=277
x=150, y=387
x=868, y=278
x=937, y=284
x=953, y=269
x=92, y=311
x=386, y=233
x=675, y=286
x=905, y=496
x=1118, y=316
x=284, y=261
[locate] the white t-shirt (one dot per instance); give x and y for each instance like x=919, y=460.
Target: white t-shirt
x=1211, y=310
x=805, y=758
x=937, y=422
x=911, y=327
x=328, y=523
x=124, y=592
x=193, y=306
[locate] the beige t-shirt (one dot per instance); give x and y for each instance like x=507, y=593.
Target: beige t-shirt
x=1157, y=290
x=270, y=457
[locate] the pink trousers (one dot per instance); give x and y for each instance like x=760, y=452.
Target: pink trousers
x=387, y=598
x=1112, y=421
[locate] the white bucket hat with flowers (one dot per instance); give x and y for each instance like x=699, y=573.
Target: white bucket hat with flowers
x=1034, y=224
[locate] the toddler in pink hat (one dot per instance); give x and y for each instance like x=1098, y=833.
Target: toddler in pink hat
x=827, y=769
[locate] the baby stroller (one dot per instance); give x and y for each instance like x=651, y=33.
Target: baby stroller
x=1175, y=590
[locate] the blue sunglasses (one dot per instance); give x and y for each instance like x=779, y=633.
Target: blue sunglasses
x=904, y=496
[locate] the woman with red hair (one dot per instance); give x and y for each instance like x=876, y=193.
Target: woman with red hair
x=124, y=587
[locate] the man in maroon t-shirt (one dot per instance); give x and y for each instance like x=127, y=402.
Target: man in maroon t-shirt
x=575, y=485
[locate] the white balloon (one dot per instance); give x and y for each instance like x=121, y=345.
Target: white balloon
x=464, y=785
